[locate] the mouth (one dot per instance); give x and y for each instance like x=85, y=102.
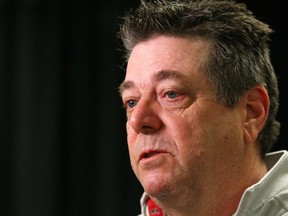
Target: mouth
x=149, y=154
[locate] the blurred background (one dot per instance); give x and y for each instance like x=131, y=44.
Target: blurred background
x=63, y=144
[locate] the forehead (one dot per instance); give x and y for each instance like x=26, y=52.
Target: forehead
x=167, y=53
x=181, y=56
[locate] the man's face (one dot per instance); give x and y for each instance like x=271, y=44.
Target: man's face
x=179, y=137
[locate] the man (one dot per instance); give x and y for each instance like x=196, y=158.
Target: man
x=201, y=98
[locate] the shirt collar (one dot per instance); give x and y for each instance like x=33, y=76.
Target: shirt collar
x=274, y=181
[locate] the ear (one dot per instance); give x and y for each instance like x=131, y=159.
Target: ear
x=256, y=102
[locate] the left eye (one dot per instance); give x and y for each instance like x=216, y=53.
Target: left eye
x=171, y=94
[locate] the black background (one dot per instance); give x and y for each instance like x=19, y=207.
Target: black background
x=63, y=142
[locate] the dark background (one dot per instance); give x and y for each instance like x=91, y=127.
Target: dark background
x=63, y=142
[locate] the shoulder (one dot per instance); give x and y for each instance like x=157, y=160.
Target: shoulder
x=270, y=195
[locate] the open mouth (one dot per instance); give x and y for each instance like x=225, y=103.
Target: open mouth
x=149, y=154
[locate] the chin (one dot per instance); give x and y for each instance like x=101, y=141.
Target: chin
x=156, y=185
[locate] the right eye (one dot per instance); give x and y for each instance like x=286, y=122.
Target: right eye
x=131, y=104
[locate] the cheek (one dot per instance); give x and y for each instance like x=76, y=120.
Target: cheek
x=189, y=136
x=131, y=145
x=134, y=148
x=132, y=154
x=130, y=141
x=197, y=133
x=192, y=145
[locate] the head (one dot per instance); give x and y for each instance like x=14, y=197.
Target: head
x=238, y=58
x=201, y=98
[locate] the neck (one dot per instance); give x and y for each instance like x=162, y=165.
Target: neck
x=217, y=197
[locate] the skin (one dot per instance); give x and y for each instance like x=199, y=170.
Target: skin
x=190, y=153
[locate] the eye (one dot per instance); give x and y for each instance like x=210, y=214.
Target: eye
x=172, y=94
x=131, y=103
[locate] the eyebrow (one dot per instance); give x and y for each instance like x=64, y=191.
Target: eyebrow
x=167, y=74
x=159, y=76
x=125, y=86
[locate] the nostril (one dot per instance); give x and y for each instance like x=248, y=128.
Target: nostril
x=145, y=129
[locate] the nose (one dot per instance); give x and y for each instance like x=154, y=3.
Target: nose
x=145, y=118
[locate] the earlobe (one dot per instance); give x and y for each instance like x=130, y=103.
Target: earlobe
x=256, y=109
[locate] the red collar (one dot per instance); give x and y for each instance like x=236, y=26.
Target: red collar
x=154, y=210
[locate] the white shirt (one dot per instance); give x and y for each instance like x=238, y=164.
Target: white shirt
x=268, y=197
